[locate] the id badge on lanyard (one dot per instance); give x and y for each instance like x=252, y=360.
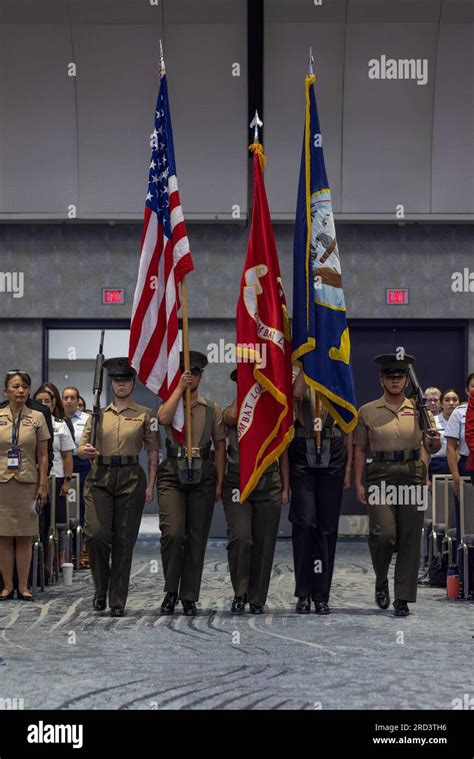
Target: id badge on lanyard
x=14, y=454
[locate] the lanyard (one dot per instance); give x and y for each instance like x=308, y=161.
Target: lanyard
x=16, y=431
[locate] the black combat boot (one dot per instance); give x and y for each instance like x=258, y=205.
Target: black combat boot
x=99, y=603
x=238, y=605
x=117, y=611
x=400, y=608
x=321, y=607
x=303, y=605
x=382, y=595
x=169, y=602
x=189, y=608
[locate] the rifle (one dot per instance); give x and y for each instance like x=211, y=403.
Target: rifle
x=425, y=422
x=97, y=389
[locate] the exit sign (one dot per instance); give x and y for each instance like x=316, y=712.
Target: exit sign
x=113, y=295
x=397, y=297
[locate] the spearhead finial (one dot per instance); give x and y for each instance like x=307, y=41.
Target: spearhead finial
x=311, y=61
x=256, y=122
x=162, y=61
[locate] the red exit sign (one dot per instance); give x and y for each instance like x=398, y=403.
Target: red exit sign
x=113, y=295
x=397, y=297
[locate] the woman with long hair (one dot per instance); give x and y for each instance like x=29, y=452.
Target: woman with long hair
x=63, y=446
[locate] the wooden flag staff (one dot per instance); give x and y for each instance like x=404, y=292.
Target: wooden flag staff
x=317, y=397
x=187, y=392
x=317, y=408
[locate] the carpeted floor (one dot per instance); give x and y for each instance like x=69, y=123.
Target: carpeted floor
x=59, y=654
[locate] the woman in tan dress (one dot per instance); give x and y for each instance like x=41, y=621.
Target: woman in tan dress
x=23, y=482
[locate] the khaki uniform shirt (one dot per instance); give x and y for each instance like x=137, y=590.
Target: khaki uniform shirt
x=124, y=433
x=198, y=419
x=32, y=430
x=380, y=428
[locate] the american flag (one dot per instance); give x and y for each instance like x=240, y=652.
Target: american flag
x=164, y=260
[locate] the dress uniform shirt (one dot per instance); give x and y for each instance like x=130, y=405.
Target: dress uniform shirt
x=32, y=430
x=44, y=410
x=79, y=421
x=380, y=428
x=198, y=420
x=441, y=423
x=123, y=433
x=62, y=442
x=456, y=427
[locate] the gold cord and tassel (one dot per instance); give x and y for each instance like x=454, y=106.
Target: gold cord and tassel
x=257, y=147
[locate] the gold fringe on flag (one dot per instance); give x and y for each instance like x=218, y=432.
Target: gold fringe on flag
x=257, y=147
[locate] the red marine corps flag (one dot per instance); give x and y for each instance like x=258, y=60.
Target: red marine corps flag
x=264, y=392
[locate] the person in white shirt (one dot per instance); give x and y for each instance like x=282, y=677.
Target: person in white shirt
x=62, y=468
x=433, y=400
x=449, y=400
x=78, y=418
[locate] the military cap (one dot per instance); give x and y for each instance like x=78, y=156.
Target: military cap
x=233, y=375
x=395, y=367
x=119, y=367
x=197, y=361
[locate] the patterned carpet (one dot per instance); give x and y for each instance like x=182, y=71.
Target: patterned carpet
x=59, y=654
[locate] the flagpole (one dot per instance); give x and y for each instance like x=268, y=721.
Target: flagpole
x=316, y=395
x=162, y=62
x=184, y=312
x=187, y=392
x=256, y=146
x=317, y=408
x=256, y=123
x=310, y=62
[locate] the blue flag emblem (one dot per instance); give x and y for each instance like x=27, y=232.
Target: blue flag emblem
x=321, y=341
